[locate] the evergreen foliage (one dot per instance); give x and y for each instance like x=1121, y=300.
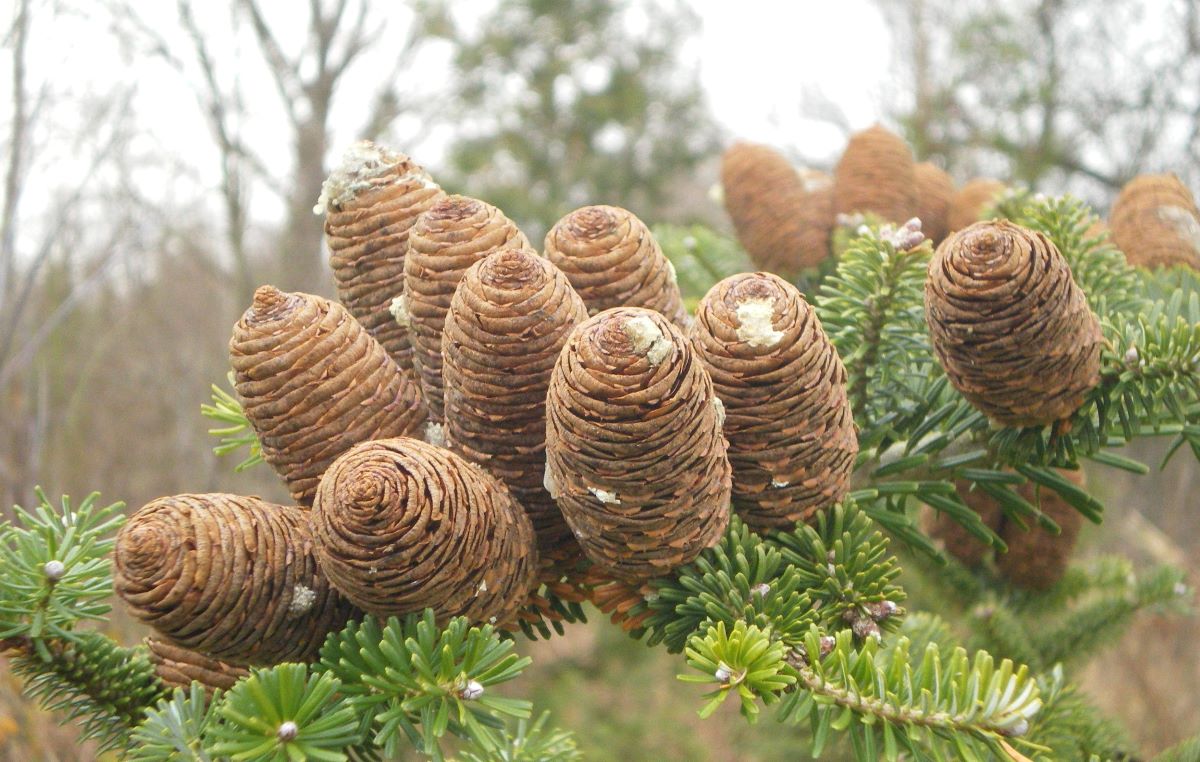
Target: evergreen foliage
x=808, y=621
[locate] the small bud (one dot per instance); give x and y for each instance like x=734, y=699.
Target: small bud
x=1018, y=728
x=723, y=673
x=913, y=224
x=882, y=610
x=865, y=627
x=1131, y=357
x=827, y=644
x=287, y=731
x=761, y=590
x=54, y=570
x=471, y=691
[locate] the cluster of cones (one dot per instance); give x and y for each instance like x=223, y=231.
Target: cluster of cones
x=474, y=426
x=785, y=217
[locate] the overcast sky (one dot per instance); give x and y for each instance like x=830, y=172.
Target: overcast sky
x=756, y=59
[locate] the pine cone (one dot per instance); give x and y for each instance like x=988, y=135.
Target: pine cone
x=454, y=234
x=230, y=577
x=968, y=204
x=634, y=452
x=612, y=260
x=314, y=383
x=1010, y=327
x=935, y=188
x=956, y=540
x=370, y=202
x=876, y=174
x=783, y=220
x=402, y=525
x=507, y=324
x=1036, y=559
x=1156, y=223
x=178, y=667
x=791, y=433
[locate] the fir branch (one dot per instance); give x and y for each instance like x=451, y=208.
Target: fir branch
x=412, y=681
x=236, y=431
x=1187, y=750
x=56, y=567
x=1071, y=727
x=531, y=742
x=283, y=713
x=100, y=686
x=175, y=728
x=872, y=310
x=969, y=706
x=836, y=574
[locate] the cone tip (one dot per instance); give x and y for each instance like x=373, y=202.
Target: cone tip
x=268, y=302
x=592, y=222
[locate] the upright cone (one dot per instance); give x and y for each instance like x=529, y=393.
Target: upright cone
x=935, y=188
x=508, y=321
x=1035, y=559
x=314, y=383
x=1156, y=223
x=402, y=525
x=454, y=234
x=178, y=667
x=612, y=260
x=791, y=433
x=967, y=205
x=634, y=452
x=230, y=577
x=370, y=203
x=1010, y=327
x=782, y=221
x=876, y=174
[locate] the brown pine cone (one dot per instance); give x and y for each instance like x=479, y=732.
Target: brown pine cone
x=1009, y=326
x=508, y=321
x=792, y=441
x=314, y=383
x=968, y=204
x=1036, y=559
x=370, y=202
x=230, y=577
x=1156, y=223
x=612, y=260
x=935, y=188
x=454, y=234
x=178, y=667
x=956, y=540
x=634, y=452
x=783, y=220
x=876, y=174
x=402, y=525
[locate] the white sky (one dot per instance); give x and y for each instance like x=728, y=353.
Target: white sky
x=757, y=60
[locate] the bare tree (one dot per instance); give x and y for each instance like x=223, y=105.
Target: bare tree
x=1058, y=93
x=307, y=80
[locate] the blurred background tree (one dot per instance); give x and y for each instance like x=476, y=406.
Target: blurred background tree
x=1057, y=94
x=566, y=104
